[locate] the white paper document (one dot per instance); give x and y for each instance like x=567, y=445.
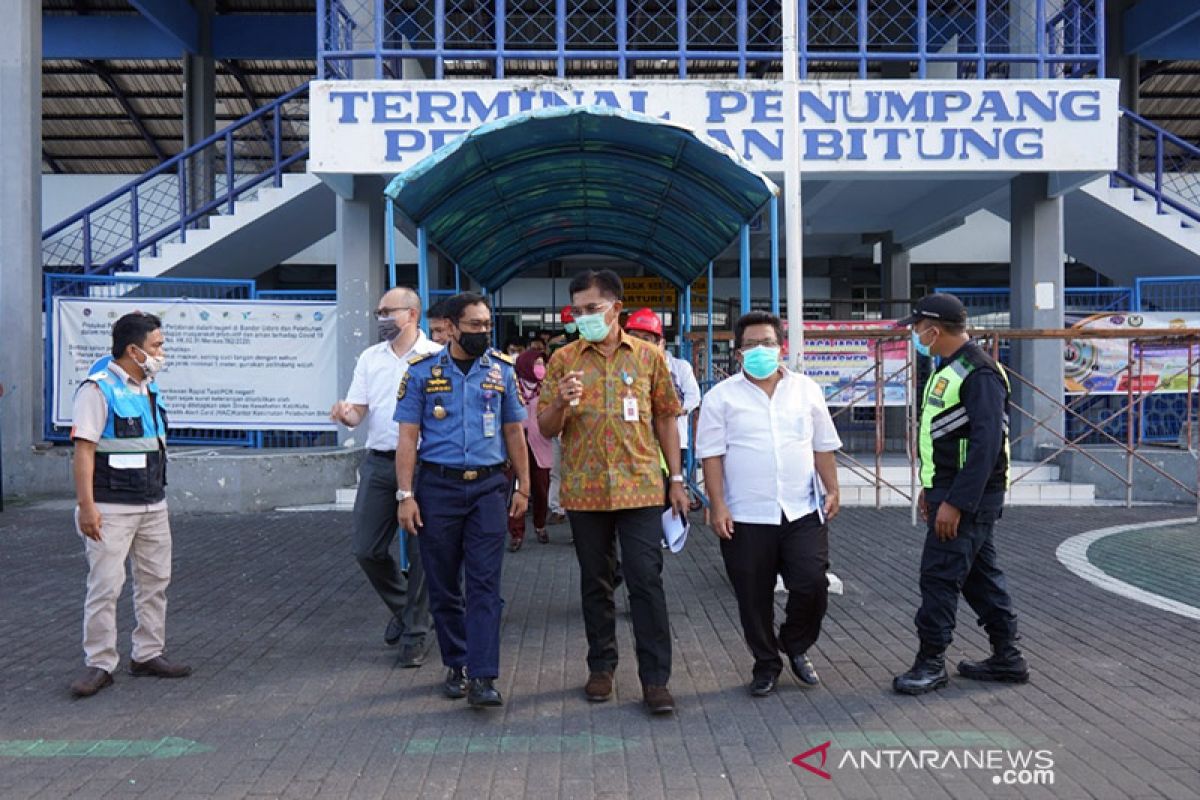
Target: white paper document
x=675, y=530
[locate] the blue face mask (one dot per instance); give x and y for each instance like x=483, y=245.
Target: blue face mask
x=760, y=362
x=920, y=346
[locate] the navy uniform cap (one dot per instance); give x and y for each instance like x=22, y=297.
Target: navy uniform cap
x=940, y=307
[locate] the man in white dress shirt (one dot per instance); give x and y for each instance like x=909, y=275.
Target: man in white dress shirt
x=372, y=397
x=765, y=436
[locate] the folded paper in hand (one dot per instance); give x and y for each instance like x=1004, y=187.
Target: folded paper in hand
x=675, y=530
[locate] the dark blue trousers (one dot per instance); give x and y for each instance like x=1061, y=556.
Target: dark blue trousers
x=965, y=565
x=465, y=526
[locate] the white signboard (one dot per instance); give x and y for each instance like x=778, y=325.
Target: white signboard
x=384, y=127
x=231, y=364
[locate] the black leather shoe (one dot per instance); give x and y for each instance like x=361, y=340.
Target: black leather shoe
x=158, y=667
x=802, y=668
x=395, y=629
x=928, y=673
x=412, y=654
x=90, y=681
x=1006, y=664
x=455, y=685
x=761, y=687
x=481, y=693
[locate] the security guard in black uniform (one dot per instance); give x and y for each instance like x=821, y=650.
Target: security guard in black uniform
x=461, y=405
x=964, y=475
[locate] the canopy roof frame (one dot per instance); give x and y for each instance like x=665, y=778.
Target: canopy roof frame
x=693, y=198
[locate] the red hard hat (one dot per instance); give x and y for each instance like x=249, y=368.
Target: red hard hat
x=565, y=315
x=644, y=320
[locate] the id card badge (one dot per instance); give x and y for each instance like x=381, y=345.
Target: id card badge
x=489, y=424
x=631, y=409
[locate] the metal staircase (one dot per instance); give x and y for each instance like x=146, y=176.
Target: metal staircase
x=164, y=218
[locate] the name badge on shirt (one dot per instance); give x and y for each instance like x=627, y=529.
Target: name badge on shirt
x=489, y=424
x=127, y=461
x=631, y=409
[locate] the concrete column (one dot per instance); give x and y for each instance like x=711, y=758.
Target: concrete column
x=897, y=279
x=841, y=287
x=200, y=109
x=1127, y=69
x=1036, y=303
x=20, y=233
x=1023, y=36
x=361, y=277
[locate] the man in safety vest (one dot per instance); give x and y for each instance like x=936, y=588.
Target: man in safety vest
x=964, y=474
x=120, y=435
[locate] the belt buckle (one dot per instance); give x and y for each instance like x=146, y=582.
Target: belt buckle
x=470, y=474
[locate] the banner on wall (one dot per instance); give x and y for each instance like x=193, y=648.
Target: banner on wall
x=231, y=364
x=845, y=368
x=1099, y=366
x=387, y=126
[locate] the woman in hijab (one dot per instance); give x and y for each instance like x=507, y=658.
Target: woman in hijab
x=531, y=369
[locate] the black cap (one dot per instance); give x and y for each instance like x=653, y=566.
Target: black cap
x=941, y=307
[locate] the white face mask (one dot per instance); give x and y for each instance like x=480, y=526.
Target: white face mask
x=153, y=364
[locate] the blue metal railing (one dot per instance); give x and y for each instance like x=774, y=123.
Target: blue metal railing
x=1167, y=294
x=644, y=38
x=118, y=230
x=1160, y=164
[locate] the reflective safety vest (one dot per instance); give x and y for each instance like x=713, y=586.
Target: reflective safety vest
x=946, y=428
x=131, y=456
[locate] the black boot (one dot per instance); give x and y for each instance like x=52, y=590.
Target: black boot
x=928, y=672
x=482, y=692
x=1005, y=664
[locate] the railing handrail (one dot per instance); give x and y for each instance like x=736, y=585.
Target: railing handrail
x=1161, y=131
x=173, y=162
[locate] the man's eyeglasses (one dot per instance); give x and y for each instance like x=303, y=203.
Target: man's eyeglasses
x=750, y=344
x=591, y=308
x=475, y=325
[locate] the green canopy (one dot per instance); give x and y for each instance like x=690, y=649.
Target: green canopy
x=581, y=180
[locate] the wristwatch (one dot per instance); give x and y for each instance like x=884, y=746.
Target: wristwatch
x=676, y=479
x=403, y=494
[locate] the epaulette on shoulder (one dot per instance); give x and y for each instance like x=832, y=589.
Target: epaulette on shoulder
x=505, y=357
x=418, y=358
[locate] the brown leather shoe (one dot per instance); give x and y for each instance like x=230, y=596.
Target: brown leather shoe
x=599, y=686
x=658, y=700
x=158, y=667
x=90, y=681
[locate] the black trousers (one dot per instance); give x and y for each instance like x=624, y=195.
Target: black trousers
x=965, y=564
x=375, y=530
x=640, y=533
x=797, y=550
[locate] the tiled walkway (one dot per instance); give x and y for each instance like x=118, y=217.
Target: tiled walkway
x=295, y=694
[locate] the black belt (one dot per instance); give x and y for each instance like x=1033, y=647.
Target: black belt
x=465, y=473
x=384, y=453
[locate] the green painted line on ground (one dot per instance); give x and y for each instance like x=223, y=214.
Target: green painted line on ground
x=573, y=743
x=169, y=747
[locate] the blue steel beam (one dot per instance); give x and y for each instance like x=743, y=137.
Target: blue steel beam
x=175, y=18
x=264, y=37
x=1182, y=45
x=1151, y=21
x=242, y=36
x=105, y=38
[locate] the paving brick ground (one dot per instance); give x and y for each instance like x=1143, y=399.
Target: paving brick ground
x=1172, y=569
x=295, y=694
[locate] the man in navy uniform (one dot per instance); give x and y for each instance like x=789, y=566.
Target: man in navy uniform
x=461, y=406
x=964, y=476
